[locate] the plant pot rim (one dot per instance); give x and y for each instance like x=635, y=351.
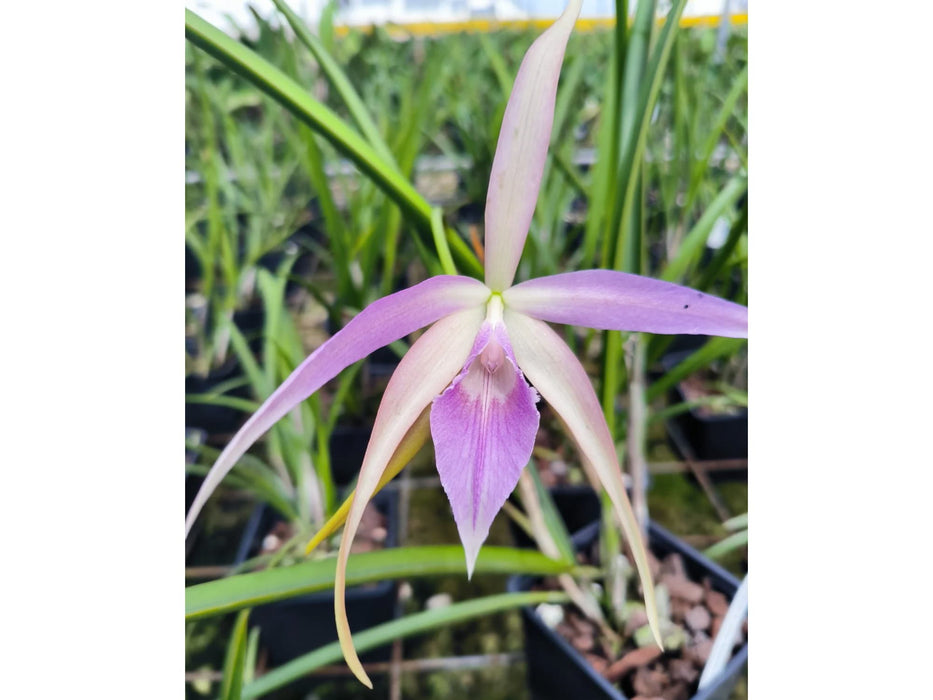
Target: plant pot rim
x=720, y=579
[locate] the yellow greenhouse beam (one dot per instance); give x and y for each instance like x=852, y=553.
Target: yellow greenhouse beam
x=402, y=31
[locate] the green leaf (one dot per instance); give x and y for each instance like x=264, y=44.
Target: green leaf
x=552, y=519
x=692, y=246
x=727, y=544
x=712, y=350
x=718, y=263
x=633, y=149
x=739, y=86
x=232, y=686
x=417, y=623
x=246, y=590
x=318, y=116
x=339, y=82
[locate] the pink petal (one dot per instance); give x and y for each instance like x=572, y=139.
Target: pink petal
x=626, y=302
x=428, y=367
x=554, y=371
x=518, y=165
x=382, y=322
x=484, y=428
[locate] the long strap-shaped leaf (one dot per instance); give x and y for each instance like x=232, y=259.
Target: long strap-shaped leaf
x=417, y=623
x=296, y=99
x=634, y=148
x=340, y=83
x=247, y=590
x=691, y=246
x=712, y=350
x=701, y=165
x=231, y=688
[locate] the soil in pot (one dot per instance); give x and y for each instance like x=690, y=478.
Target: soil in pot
x=571, y=657
x=293, y=627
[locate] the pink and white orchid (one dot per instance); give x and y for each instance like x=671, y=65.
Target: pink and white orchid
x=471, y=369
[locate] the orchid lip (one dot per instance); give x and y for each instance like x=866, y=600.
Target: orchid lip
x=484, y=427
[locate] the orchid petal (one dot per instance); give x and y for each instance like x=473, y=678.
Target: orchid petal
x=413, y=441
x=518, y=165
x=556, y=373
x=624, y=302
x=382, y=322
x=484, y=427
x=427, y=368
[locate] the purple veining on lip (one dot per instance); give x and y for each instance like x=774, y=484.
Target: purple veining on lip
x=483, y=427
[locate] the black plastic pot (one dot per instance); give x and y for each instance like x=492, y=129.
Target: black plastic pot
x=293, y=627
x=382, y=362
x=214, y=420
x=577, y=505
x=713, y=437
x=222, y=420
x=707, y=436
x=347, y=444
x=557, y=671
x=680, y=344
x=193, y=272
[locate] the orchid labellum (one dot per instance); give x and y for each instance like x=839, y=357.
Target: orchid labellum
x=472, y=372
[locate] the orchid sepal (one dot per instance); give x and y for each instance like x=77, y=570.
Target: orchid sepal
x=559, y=377
x=384, y=321
x=521, y=152
x=413, y=441
x=423, y=373
x=621, y=301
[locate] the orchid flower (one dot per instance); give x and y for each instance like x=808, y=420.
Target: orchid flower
x=472, y=371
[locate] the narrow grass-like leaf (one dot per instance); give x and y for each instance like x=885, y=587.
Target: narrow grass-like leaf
x=504, y=76
x=634, y=148
x=247, y=590
x=722, y=255
x=692, y=245
x=232, y=686
x=701, y=165
x=712, y=350
x=715, y=402
x=418, y=623
x=339, y=82
x=727, y=544
x=252, y=656
x=556, y=528
x=299, y=102
x=296, y=99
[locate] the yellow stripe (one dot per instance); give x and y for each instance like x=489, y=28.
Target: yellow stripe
x=403, y=31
